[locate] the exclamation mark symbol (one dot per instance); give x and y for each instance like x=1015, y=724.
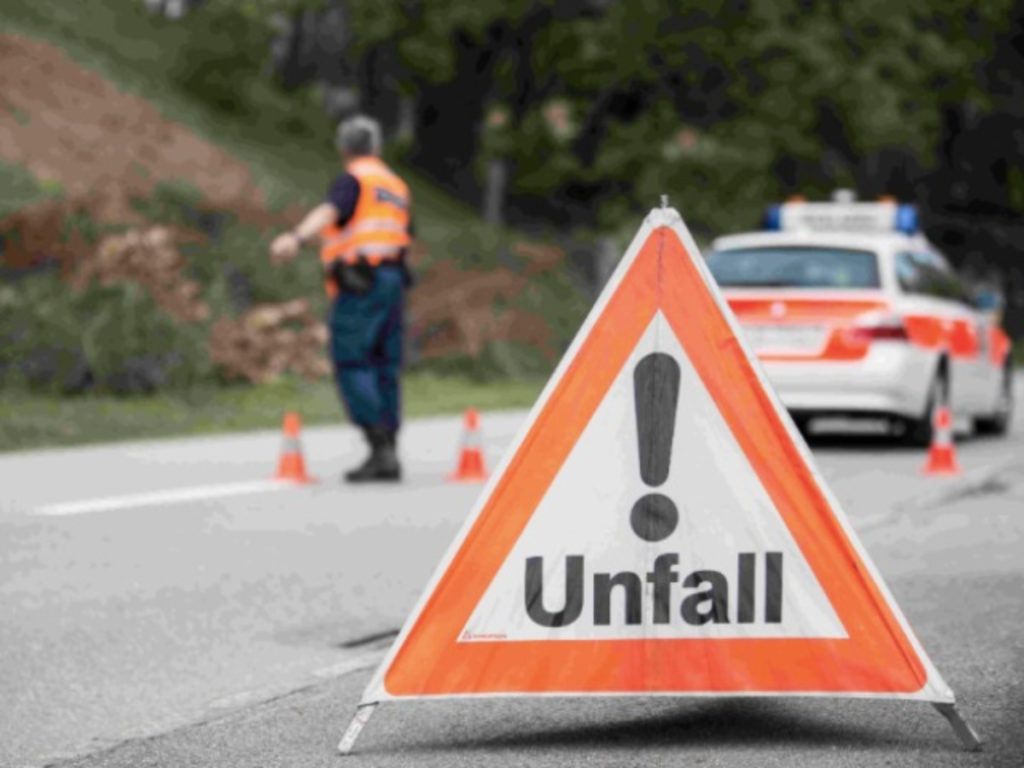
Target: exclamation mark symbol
x=656, y=394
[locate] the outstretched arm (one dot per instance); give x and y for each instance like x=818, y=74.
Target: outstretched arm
x=286, y=245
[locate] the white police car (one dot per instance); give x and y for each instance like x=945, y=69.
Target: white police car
x=854, y=313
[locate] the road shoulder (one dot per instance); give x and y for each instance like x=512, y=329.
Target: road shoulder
x=302, y=728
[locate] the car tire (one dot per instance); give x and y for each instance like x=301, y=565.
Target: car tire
x=803, y=425
x=919, y=431
x=998, y=422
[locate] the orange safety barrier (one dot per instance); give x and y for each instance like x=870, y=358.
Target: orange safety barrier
x=292, y=466
x=470, y=468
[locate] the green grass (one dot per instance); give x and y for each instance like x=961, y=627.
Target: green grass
x=19, y=188
x=33, y=421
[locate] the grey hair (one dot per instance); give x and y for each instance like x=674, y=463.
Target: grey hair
x=358, y=135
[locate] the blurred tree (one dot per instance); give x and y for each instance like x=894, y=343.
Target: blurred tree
x=593, y=108
x=598, y=107
x=588, y=110
x=220, y=58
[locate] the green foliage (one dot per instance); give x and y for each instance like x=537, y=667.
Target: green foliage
x=40, y=336
x=131, y=346
x=701, y=100
x=172, y=202
x=220, y=58
x=227, y=257
x=18, y=188
x=499, y=360
x=563, y=305
x=236, y=269
x=109, y=339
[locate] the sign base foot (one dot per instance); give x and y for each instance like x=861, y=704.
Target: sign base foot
x=361, y=717
x=963, y=730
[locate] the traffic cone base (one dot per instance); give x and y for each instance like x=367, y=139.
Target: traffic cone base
x=942, y=461
x=292, y=467
x=471, y=467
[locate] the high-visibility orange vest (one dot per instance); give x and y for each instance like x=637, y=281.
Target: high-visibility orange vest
x=379, y=227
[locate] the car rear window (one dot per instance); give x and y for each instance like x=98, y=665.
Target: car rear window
x=786, y=267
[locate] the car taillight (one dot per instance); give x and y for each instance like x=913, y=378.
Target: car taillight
x=878, y=328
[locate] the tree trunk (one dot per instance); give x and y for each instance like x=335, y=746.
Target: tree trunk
x=494, y=194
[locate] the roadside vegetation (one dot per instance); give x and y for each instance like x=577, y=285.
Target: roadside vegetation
x=102, y=358
x=206, y=72
x=622, y=113
x=19, y=188
x=30, y=420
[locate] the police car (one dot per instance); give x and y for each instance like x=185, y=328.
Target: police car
x=854, y=313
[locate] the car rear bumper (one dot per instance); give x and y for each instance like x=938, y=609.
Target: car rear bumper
x=892, y=379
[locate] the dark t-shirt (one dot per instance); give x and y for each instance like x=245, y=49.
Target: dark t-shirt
x=343, y=194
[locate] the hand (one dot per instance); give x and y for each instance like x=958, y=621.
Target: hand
x=284, y=248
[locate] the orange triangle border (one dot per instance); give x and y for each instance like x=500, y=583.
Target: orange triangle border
x=880, y=656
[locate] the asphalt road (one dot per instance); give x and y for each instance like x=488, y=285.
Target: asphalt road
x=233, y=625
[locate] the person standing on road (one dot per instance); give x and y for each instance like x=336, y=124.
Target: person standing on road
x=365, y=229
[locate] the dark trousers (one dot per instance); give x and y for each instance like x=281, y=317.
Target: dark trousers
x=366, y=349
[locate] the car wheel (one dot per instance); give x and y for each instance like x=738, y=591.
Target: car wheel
x=919, y=431
x=998, y=423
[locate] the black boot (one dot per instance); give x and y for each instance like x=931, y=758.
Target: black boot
x=382, y=464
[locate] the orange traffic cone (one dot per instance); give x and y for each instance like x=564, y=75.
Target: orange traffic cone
x=942, y=453
x=471, y=457
x=292, y=467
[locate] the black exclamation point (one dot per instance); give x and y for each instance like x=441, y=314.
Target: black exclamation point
x=655, y=392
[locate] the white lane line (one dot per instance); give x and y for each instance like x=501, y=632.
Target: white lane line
x=354, y=662
x=160, y=498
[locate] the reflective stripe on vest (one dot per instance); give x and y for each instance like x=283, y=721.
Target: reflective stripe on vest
x=379, y=227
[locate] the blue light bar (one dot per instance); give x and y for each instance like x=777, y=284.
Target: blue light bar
x=855, y=217
x=906, y=219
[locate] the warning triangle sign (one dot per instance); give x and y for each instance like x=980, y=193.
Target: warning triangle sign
x=658, y=527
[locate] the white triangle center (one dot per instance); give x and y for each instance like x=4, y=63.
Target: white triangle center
x=728, y=568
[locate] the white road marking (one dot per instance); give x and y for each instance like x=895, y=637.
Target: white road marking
x=351, y=662
x=870, y=522
x=364, y=660
x=160, y=498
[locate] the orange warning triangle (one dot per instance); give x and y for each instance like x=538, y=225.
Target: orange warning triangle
x=657, y=528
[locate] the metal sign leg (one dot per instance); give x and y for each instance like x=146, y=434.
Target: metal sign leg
x=360, y=719
x=963, y=730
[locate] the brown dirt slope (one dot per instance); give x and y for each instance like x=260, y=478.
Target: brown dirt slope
x=67, y=124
